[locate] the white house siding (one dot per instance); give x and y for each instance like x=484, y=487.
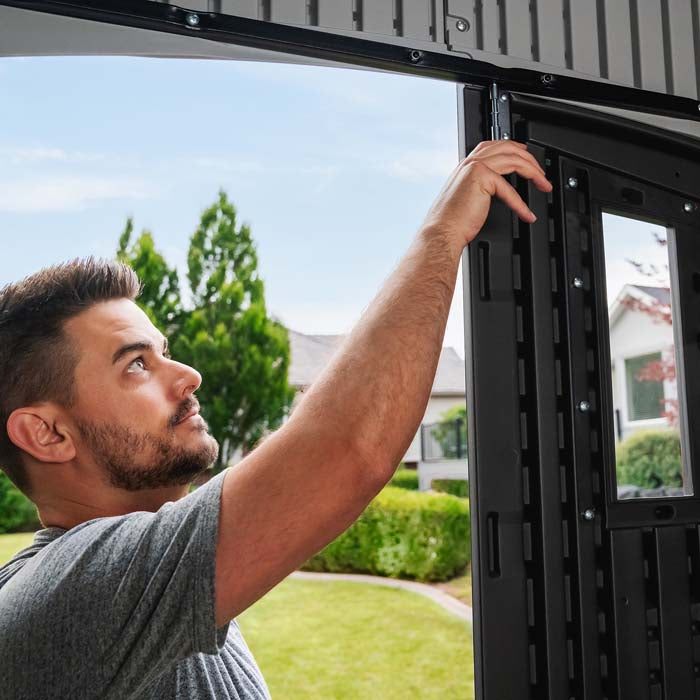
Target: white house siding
x=633, y=334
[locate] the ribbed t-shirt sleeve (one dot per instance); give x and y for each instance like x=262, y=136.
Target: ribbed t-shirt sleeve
x=137, y=591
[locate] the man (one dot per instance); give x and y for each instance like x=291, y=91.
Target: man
x=132, y=588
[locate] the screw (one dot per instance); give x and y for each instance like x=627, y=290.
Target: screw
x=547, y=79
x=588, y=514
x=688, y=207
x=572, y=182
x=584, y=406
x=503, y=97
x=415, y=56
x=192, y=19
x=462, y=25
x=506, y=136
x=577, y=282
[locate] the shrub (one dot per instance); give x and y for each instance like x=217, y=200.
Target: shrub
x=403, y=534
x=405, y=479
x=455, y=487
x=650, y=459
x=17, y=512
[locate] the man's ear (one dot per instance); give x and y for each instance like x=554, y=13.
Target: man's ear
x=37, y=431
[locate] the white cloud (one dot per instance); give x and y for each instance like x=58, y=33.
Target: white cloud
x=68, y=192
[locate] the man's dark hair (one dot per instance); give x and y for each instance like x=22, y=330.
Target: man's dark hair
x=37, y=360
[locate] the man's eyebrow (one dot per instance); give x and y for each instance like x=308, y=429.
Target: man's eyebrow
x=133, y=347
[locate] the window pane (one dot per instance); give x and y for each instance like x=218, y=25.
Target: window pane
x=644, y=395
x=648, y=415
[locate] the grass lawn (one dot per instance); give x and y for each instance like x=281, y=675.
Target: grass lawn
x=11, y=544
x=342, y=640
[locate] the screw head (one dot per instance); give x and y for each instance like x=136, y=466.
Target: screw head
x=503, y=97
x=577, y=282
x=506, y=136
x=588, y=514
x=572, y=182
x=462, y=25
x=688, y=207
x=192, y=19
x=415, y=56
x=584, y=406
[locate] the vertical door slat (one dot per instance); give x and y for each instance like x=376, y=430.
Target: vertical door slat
x=288, y=11
x=378, y=17
x=417, y=19
x=518, y=32
x=456, y=10
x=336, y=14
x=651, y=45
x=682, y=48
x=240, y=8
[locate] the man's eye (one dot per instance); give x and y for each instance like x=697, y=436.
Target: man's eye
x=137, y=366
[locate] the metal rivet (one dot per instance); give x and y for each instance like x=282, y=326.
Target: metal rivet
x=547, y=79
x=588, y=514
x=192, y=19
x=506, y=136
x=503, y=97
x=415, y=55
x=577, y=282
x=688, y=207
x=584, y=406
x=572, y=182
x=462, y=25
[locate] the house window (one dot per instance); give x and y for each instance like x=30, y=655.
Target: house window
x=644, y=397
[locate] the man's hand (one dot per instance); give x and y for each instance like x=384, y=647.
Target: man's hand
x=462, y=206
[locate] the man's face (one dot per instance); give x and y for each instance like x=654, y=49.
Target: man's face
x=135, y=414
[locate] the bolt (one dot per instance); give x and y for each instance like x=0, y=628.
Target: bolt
x=506, y=136
x=688, y=207
x=577, y=282
x=192, y=19
x=503, y=97
x=572, y=182
x=415, y=56
x=462, y=25
x=588, y=514
x=547, y=79
x=584, y=406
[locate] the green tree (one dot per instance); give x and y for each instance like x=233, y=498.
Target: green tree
x=445, y=432
x=160, y=285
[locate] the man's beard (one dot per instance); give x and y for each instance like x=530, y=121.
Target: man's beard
x=137, y=461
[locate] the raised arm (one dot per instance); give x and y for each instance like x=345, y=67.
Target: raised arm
x=311, y=479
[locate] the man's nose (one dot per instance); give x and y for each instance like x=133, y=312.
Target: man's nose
x=188, y=380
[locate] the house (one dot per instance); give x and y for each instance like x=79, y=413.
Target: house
x=637, y=338
x=311, y=353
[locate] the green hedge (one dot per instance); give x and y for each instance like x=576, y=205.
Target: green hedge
x=403, y=534
x=17, y=512
x=650, y=458
x=455, y=487
x=405, y=479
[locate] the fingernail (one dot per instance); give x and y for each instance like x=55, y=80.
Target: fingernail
x=533, y=218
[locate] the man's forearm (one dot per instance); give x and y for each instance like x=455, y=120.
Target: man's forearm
x=374, y=393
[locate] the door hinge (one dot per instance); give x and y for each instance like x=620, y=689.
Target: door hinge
x=500, y=114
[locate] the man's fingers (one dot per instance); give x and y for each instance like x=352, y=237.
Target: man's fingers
x=504, y=148
x=507, y=194
x=506, y=163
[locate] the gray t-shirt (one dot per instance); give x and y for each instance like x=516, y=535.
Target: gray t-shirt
x=123, y=607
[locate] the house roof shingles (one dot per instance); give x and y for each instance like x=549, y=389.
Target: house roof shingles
x=311, y=353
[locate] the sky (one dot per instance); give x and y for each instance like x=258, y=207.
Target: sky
x=333, y=169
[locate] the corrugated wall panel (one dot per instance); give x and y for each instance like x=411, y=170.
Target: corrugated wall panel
x=288, y=11
x=491, y=40
x=333, y=14
x=550, y=41
x=518, y=29
x=585, y=53
x=417, y=19
x=683, y=70
x=242, y=8
x=645, y=43
x=461, y=40
x=618, y=42
x=651, y=45
x=378, y=17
